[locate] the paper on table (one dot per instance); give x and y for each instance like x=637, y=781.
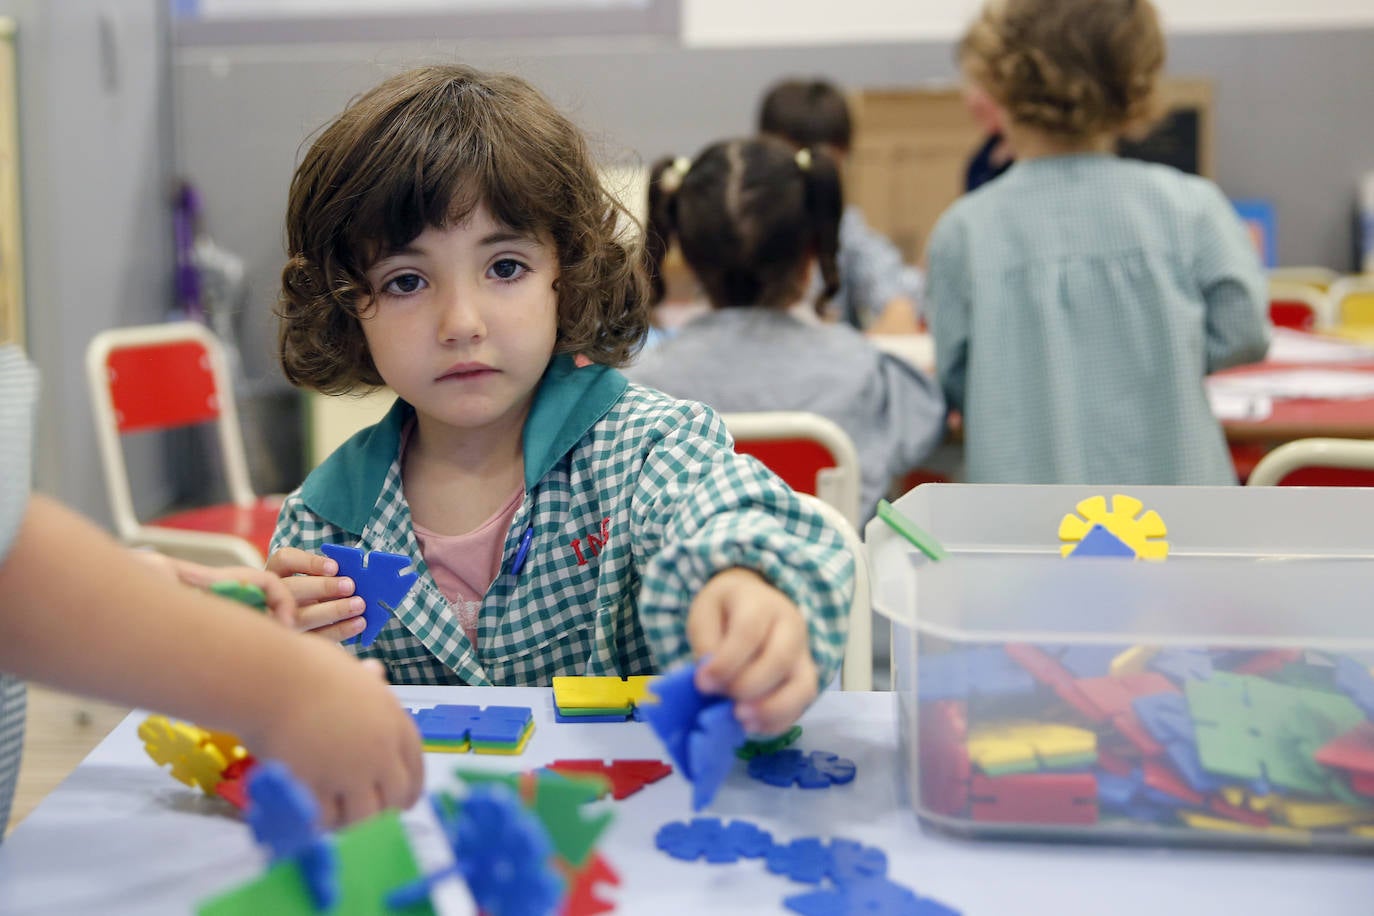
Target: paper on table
x=1322, y=384
x=1290, y=346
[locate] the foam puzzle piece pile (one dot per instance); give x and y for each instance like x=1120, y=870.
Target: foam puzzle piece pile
x=455, y=729
x=598, y=699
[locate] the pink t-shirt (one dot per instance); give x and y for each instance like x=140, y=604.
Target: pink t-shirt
x=465, y=565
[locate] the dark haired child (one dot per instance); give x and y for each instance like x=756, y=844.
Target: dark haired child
x=449, y=237
x=752, y=217
x=878, y=292
x=1078, y=300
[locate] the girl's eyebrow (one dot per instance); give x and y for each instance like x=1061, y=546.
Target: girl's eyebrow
x=501, y=236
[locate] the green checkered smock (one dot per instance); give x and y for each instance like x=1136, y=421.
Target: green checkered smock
x=1076, y=304
x=18, y=394
x=635, y=501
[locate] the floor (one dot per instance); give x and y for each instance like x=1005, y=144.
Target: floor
x=59, y=732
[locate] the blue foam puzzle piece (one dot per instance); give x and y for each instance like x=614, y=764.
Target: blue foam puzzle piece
x=984, y=671
x=503, y=729
x=283, y=816
x=446, y=722
x=791, y=766
x=711, y=748
x=504, y=854
x=702, y=837
x=780, y=768
x=319, y=867
x=1165, y=716
x=851, y=861
x=748, y=840
x=379, y=581
x=700, y=732
x=1099, y=542
x=872, y=897
x=1086, y=661
x=1183, y=664
x=805, y=859
x=521, y=714
x=1118, y=793
x=583, y=720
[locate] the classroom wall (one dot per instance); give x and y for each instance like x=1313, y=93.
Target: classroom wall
x=95, y=150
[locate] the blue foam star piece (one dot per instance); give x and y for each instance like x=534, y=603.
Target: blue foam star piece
x=790, y=766
x=805, y=859
x=700, y=732
x=285, y=818
x=504, y=854
x=446, y=722
x=1357, y=683
x=871, y=897
x=851, y=862
x=707, y=838
x=1183, y=664
x=379, y=581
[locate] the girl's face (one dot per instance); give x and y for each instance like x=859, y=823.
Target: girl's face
x=464, y=322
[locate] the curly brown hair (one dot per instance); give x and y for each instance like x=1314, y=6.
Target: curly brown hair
x=1073, y=68
x=424, y=149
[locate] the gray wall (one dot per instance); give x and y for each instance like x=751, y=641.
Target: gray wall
x=95, y=135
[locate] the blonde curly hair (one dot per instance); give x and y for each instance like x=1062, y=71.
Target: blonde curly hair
x=1074, y=68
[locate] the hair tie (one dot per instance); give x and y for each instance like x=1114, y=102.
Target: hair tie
x=672, y=176
x=803, y=159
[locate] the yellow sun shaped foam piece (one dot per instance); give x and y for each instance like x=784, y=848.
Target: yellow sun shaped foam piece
x=195, y=761
x=1142, y=533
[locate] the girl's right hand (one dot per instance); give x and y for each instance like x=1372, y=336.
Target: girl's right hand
x=326, y=605
x=345, y=736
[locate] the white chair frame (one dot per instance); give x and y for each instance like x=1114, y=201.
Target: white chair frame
x=1357, y=454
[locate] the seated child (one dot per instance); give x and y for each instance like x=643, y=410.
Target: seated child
x=752, y=217
x=83, y=614
x=449, y=237
x=878, y=292
x=1078, y=300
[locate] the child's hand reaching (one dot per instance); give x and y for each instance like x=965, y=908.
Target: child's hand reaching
x=758, y=647
x=281, y=603
x=327, y=606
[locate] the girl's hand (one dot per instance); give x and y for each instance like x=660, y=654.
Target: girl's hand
x=281, y=602
x=323, y=596
x=758, y=648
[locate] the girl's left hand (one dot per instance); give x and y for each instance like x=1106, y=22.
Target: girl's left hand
x=281, y=604
x=758, y=647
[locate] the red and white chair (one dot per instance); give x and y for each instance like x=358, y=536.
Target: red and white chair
x=1300, y=306
x=167, y=376
x=1317, y=463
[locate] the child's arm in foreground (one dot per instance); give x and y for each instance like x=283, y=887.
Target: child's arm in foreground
x=281, y=604
x=767, y=582
x=108, y=627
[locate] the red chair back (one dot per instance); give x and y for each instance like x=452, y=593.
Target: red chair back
x=796, y=461
x=1284, y=313
x=1317, y=476
x=161, y=386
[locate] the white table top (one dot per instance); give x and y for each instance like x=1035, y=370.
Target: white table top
x=122, y=837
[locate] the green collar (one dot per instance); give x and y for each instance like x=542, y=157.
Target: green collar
x=568, y=402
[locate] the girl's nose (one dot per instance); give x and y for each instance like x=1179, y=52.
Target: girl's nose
x=461, y=318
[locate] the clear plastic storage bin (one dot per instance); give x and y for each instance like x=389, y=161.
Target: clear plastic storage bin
x=1220, y=696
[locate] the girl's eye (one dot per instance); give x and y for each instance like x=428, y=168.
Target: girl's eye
x=508, y=269
x=404, y=284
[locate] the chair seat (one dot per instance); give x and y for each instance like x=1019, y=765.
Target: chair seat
x=254, y=524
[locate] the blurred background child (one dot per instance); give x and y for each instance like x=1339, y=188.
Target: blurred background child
x=752, y=217
x=1078, y=300
x=877, y=292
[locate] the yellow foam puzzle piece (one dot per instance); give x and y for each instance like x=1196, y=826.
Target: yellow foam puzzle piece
x=1315, y=815
x=1224, y=825
x=194, y=760
x=1132, y=661
x=1003, y=744
x=594, y=693
x=1144, y=535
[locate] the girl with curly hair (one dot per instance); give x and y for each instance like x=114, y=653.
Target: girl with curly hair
x=1078, y=300
x=449, y=237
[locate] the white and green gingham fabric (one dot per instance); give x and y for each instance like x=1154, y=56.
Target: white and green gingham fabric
x=18, y=394
x=635, y=501
x=1076, y=304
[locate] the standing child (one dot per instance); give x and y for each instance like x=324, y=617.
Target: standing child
x=449, y=238
x=1078, y=300
x=878, y=292
x=81, y=613
x=752, y=218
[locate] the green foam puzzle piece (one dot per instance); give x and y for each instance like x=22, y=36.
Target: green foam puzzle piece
x=751, y=749
x=241, y=592
x=558, y=801
x=1248, y=727
x=374, y=859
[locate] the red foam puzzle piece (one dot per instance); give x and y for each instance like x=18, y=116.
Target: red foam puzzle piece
x=1162, y=779
x=625, y=776
x=581, y=899
x=1047, y=670
x=233, y=784
x=945, y=768
x=1268, y=662
x=1035, y=798
x=1243, y=815
x=1352, y=751
x=1112, y=698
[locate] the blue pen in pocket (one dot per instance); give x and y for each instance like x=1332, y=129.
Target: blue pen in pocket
x=522, y=551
